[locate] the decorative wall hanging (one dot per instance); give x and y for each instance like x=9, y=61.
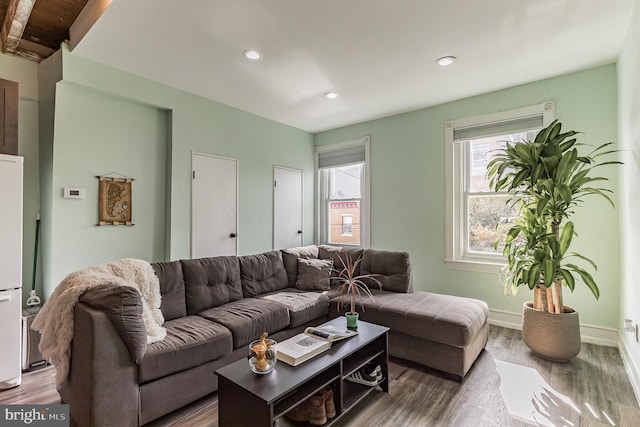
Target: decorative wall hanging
x=115, y=200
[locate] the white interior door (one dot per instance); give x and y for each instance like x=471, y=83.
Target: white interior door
x=214, y=206
x=287, y=207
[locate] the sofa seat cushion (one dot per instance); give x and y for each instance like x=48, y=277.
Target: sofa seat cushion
x=303, y=306
x=445, y=319
x=190, y=341
x=248, y=318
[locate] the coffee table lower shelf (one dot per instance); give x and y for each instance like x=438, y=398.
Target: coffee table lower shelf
x=246, y=399
x=351, y=399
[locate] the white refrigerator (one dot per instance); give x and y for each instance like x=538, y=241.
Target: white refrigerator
x=10, y=270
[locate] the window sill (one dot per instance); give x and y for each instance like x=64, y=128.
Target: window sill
x=477, y=266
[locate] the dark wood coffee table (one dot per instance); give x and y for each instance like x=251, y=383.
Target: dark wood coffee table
x=248, y=399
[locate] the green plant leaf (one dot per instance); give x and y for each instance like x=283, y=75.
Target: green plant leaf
x=565, y=193
x=584, y=258
x=536, y=269
x=587, y=279
x=519, y=178
x=549, y=272
x=598, y=150
x=555, y=130
x=568, y=278
x=553, y=244
x=565, y=238
x=542, y=135
x=612, y=162
x=568, y=144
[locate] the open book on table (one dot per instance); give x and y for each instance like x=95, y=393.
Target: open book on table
x=313, y=341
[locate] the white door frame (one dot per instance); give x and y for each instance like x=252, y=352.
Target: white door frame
x=273, y=203
x=196, y=153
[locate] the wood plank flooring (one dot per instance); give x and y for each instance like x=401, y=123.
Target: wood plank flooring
x=507, y=386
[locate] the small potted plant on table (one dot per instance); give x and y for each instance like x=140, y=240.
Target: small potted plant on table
x=352, y=287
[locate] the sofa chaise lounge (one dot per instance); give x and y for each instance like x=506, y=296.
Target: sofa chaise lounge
x=214, y=307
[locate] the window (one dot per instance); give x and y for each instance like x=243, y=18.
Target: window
x=347, y=225
x=342, y=193
x=472, y=209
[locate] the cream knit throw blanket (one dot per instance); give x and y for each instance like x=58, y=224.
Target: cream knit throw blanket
x=55, y=320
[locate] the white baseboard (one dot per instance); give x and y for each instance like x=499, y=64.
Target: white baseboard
x=589, y=333
x=505, y=319
x=632, y=368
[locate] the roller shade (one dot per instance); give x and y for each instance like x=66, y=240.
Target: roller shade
x=340, y=157
x=519, y=124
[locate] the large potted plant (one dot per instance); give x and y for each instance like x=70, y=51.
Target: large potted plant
x=547, y=179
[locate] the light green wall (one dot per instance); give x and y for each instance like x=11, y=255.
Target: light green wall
x=98, y=134
x=408, y=192
x=195, y=124
x=26, y=74
x=629, y=118
x=49, y=73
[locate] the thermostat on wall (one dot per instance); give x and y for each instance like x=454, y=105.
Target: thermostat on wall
x=73, y=193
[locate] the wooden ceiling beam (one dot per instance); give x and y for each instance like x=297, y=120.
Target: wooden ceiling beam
x=15, y=21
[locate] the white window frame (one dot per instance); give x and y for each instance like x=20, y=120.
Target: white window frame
x=322, y=236
x=456, y=256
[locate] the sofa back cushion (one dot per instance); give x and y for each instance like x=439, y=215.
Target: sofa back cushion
x=314, y=274
x=290, y=259
x=211, y=282
x=391, y=269
x=262, y=273
x=339, y=255
x=171, y=280
x=123, y=307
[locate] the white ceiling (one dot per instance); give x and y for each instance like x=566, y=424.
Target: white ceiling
x=378, y=54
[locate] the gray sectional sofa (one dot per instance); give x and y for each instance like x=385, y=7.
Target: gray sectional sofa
x=214, y=307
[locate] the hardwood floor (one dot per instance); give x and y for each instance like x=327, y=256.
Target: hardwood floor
x=507, y=386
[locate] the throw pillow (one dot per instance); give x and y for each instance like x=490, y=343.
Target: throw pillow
x=290, y=259
x=313, y=274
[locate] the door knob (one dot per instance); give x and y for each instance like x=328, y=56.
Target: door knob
x=233, y=235
x=299, y=231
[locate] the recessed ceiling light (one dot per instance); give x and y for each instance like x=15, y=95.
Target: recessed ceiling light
x=331, y=95
x=252, y=54
x=446, y=60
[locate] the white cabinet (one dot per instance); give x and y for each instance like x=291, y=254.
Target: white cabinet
x=10, y=269
x=10, y=325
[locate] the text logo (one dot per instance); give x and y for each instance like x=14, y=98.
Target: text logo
x=55, y=415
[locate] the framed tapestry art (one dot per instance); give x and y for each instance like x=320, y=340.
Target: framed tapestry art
x=115, y=201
